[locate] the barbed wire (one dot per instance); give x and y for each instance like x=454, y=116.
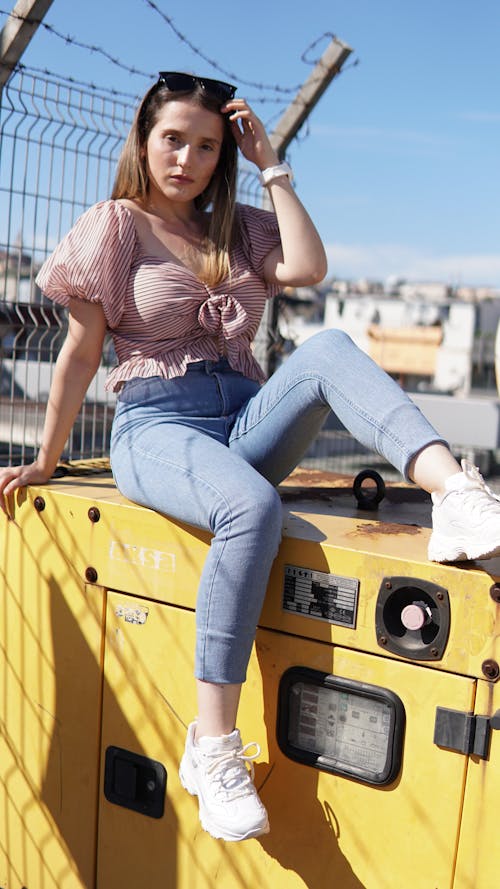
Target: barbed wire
x=114, y=60
x=21, y=68
x=313, y=45
x=279, y=91
x=215, y=65
x=32, y=70
x=98, y=50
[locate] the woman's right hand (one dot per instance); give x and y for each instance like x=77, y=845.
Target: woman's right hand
x=14, y=477
x=76, y=364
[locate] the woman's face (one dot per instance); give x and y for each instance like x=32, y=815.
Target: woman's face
x=182, y=151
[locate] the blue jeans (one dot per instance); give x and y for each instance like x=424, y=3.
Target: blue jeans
x=210, y=447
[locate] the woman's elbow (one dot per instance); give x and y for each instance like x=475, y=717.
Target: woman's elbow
x=315, y=266
x=319, y=272
x=313, y=273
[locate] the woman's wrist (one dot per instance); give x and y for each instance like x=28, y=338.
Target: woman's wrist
x=269, y=174
x=45, y=465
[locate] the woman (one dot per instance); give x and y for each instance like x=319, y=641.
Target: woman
x=179, y=273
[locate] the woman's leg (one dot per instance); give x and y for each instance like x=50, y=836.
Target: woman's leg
x=328, y=372
x=431, y=467
x=217, y=708
x=184, y=473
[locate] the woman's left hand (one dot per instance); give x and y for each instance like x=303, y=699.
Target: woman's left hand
x=250, y=134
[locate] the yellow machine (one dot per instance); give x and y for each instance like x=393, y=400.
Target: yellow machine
x=372, y=692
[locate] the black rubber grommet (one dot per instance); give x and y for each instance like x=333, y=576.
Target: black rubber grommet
x=368, y=498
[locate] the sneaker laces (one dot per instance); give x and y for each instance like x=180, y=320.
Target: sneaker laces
x=229, y=773
x=474, y=487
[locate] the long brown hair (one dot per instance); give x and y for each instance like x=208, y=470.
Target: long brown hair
x=131, y=179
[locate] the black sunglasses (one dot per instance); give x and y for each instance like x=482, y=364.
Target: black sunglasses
x=177, y=81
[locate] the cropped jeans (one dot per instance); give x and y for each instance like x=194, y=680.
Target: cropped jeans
x=210, y=447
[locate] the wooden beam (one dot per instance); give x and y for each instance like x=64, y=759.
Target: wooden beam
x=17, y=32
x=299, y=110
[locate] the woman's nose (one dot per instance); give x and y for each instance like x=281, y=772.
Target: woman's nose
x=183, y=156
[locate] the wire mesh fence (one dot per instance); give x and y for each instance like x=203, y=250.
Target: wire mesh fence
x=59, y=145
x=58, y=150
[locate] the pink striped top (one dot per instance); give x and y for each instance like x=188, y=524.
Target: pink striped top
x=159, y=314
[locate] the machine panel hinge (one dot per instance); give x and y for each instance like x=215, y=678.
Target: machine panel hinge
x=464, y=732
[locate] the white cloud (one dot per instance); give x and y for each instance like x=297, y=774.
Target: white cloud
x=380, y=261
x=481, y=116
x=366, y=136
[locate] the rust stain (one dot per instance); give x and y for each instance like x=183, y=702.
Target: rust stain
x=385, y=528
x=317, y=478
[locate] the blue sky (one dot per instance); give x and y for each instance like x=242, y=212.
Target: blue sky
x=399, y=163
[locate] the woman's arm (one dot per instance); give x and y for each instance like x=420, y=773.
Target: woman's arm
x=300, y=259
x=75, y=367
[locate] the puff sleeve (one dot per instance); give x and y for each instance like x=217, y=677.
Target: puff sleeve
x=92, y=261
x=259, y=234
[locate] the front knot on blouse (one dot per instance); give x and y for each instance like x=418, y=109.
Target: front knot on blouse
x=222, y=314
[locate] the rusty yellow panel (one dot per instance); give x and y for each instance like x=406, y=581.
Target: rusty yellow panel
x=365, y=837
x=140, y=552
x=321, y=824
x=478, y=852
x=50, y=679
x=332, y=539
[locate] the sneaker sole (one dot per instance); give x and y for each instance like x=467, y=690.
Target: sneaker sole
x=229, y=837
x=441, y=551
x=208, y=827
x=191, y=788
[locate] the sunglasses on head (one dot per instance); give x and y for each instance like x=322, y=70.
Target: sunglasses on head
x=177, y=81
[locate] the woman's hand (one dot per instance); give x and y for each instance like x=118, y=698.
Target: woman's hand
x=14, y=477
x=300, y=259
x=250, y=134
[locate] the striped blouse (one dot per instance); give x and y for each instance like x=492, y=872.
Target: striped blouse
x=160, y=315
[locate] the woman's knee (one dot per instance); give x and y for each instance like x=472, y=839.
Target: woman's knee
x=258, y=511
x=323, y=347
x=332, y=338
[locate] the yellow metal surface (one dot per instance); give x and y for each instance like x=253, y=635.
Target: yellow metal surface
x=362, y=836
x=479, y=848
x=50, y=683
x=138, y=551
x=74, y=667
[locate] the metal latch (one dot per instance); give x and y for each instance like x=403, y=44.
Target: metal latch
x=464, y=732
x=135, y=782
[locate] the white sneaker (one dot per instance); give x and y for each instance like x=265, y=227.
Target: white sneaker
x=215, y=770
x=465, y=519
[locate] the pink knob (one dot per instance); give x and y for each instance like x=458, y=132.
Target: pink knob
x=414, y=616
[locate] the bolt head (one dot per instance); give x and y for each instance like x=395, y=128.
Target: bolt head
x=495, y=592
x=491, y=669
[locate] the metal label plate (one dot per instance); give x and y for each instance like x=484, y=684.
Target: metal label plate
x=329, y=597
